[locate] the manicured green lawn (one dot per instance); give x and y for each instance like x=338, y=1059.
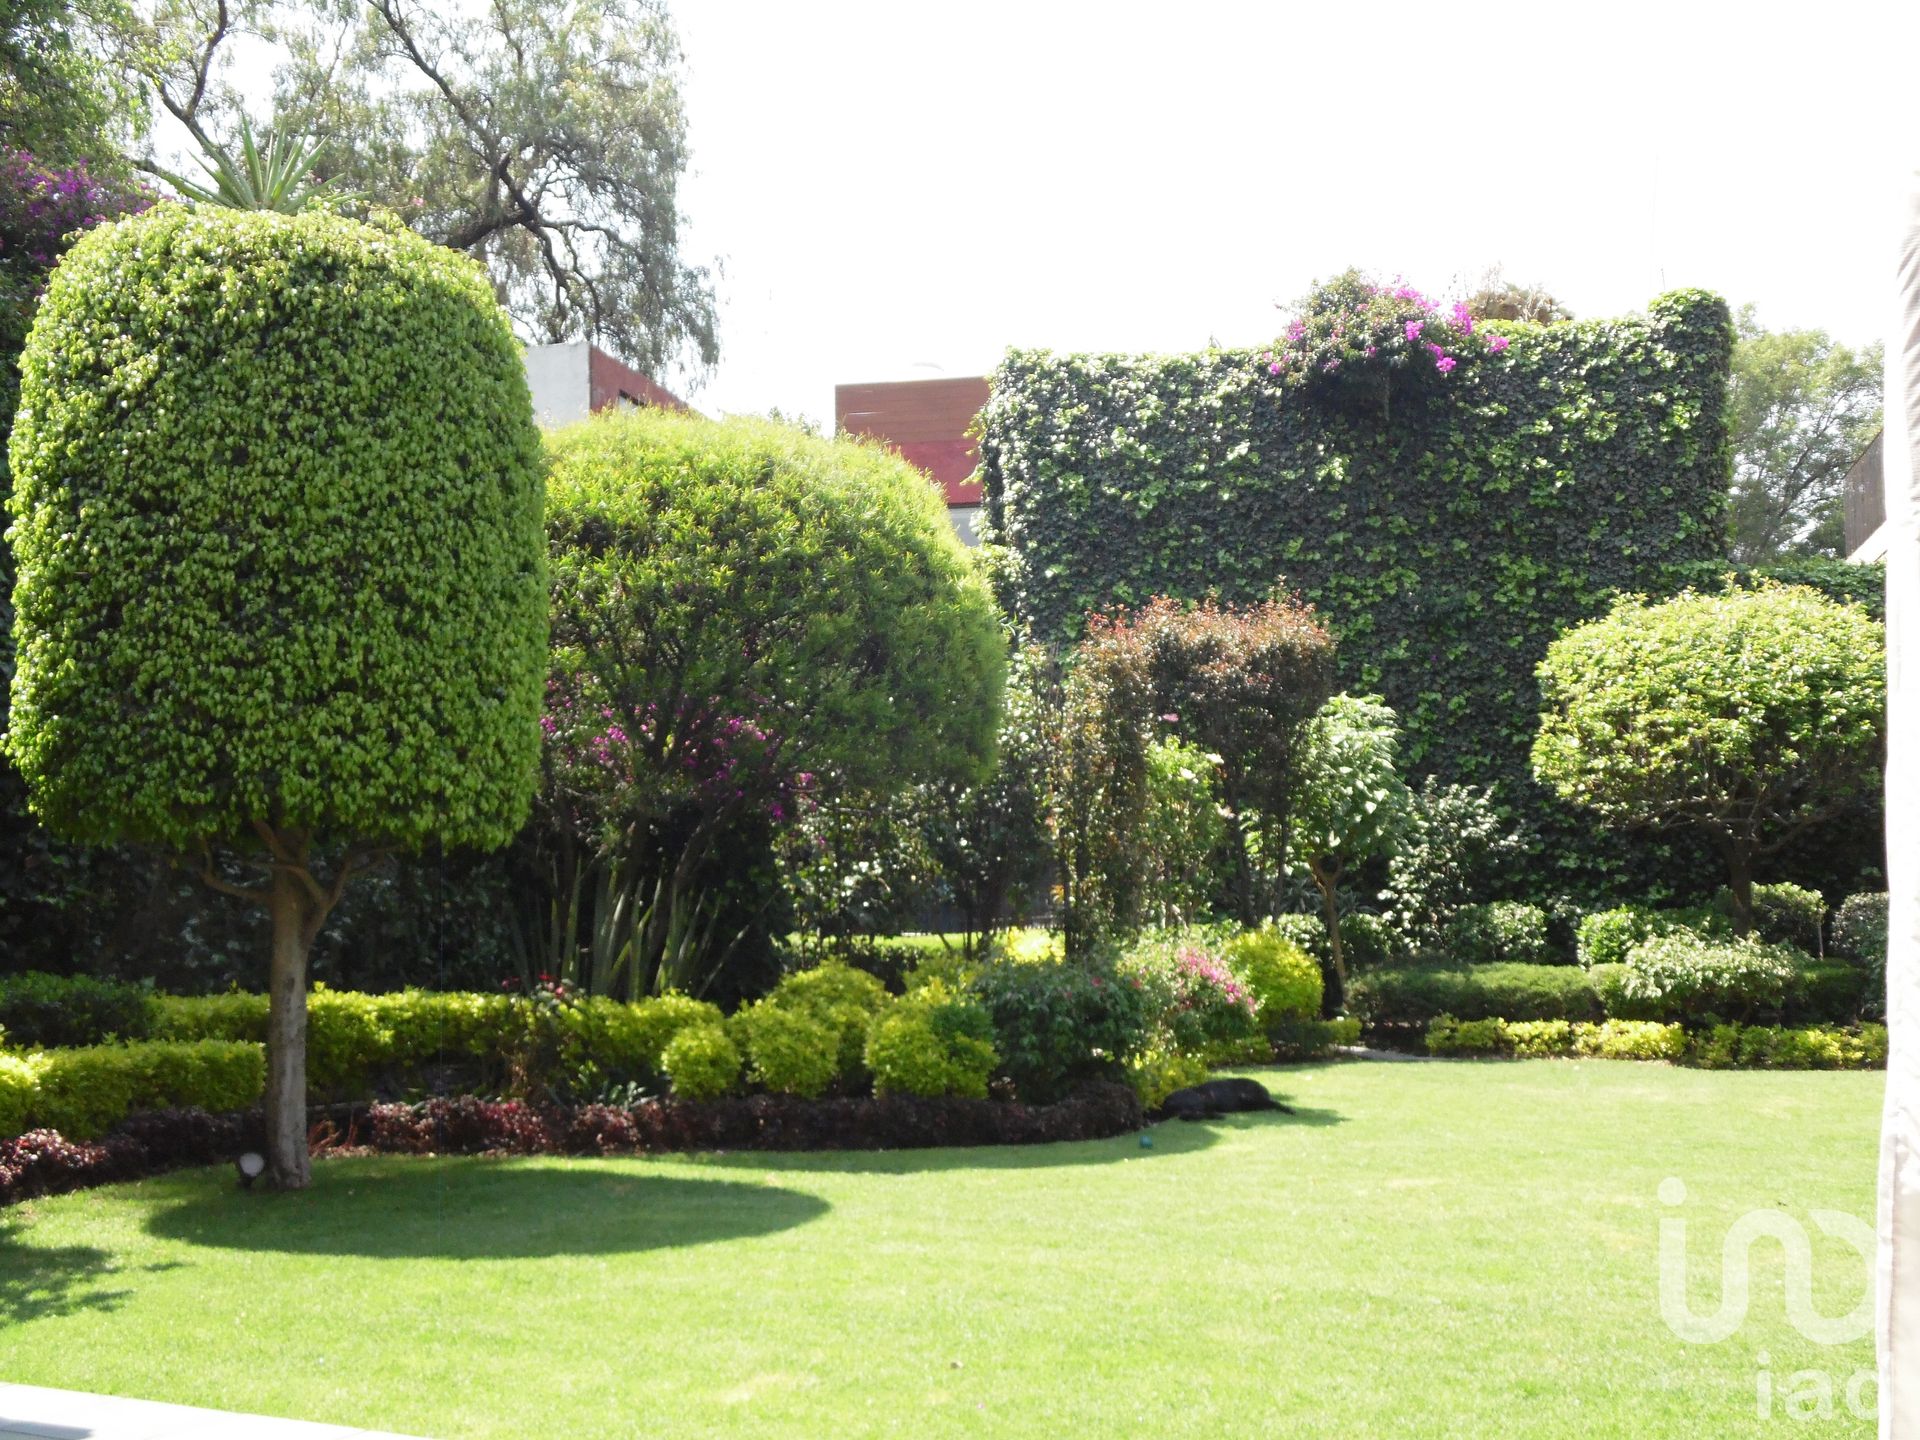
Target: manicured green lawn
x=1432, y=1250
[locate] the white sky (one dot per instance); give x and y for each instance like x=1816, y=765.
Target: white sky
x=903, y=189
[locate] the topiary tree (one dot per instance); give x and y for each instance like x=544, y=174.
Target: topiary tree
x=743, y=615
x=1748, y=715
x=277, y=500
x=1350, y=804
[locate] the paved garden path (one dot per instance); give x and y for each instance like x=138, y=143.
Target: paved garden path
x=28, y=1410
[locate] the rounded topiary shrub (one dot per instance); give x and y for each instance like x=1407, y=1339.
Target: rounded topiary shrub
x=702, y=1062
x=788, y=1051
x=1285, y=980
x=278, y=506
x=934, y=1042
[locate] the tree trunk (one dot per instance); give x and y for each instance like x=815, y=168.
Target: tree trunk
x=288, y=1166
x=1740, y=882
x=1327, y=880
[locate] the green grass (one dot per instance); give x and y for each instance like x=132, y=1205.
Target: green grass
x=1435, y=1250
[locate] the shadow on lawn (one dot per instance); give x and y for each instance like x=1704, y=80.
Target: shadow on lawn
x=41, y=1281
x=470, y=1208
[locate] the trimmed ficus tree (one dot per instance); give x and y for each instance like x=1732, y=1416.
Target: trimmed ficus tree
x=744, y=616
x=1747, y=716
x=280, y=603
x=1350, y=804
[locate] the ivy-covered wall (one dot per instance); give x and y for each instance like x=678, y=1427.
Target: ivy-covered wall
x=1447, y=540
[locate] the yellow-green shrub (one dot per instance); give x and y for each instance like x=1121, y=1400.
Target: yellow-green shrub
x=788, y=1049
x=1285, y=980
x=839, y=997
x=1156, y=1074
x=19, y=1083
x=934, y=1042
x=702, y=1062
x=84, y=1092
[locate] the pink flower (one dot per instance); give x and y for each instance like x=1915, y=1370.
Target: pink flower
x=1463, y=317
x=1414, y=328
x=1444, y=364
x=1497, y=344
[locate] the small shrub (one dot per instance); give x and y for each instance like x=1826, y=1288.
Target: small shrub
x=1309, y=932
x=1686, y=975
x=1774, y=1048
x=1860, y=936
x=1369, y=940
x=934, y=1042
x=1285, y=980
x=1533, y=1039
x=1860, y=931
x=1503, y=931
x=842, y=999
x=1448, y=1036
x=1058, y=1026
x=1630, y=1040
x=1194, y=997
x=1312, y=1038
x=788, y=1049
x=19, y=1084
x=702, y=1062
x=1156, y=1074
x=1607, y=937
x=1031, y=946
x=1783, y=914
x=41, y=1011
x=1826, y=995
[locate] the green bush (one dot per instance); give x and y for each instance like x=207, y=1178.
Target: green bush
x=842, y=999
x=934, y=1042
x=1860, y=931
x=1369, y=940
x=1688, y=976
x=1504, y=930
x=788, y=1049
x=1309, y=932
x=1196, y=999
x=1059, y=1025
x=19, y=1083
x=1285, y=980
x=1157, y=1073
x=1826, y=995
x=1313, y=1038
x=1783, y=914
x=1586, y=458
x=1417, y=994
x=702, y=1062
x=40, y=1010
x=1607, y=937
x=84, y=1092
x=1747, y=716
x=1531, y=1039
x=1773, y=1048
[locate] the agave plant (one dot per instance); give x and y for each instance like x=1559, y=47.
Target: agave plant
x=276, y=175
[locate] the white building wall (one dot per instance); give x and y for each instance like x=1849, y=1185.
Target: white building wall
x=557, y=376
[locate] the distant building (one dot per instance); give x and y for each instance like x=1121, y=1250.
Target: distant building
x=573, y=380
x=1864, y=504
x=926, y=422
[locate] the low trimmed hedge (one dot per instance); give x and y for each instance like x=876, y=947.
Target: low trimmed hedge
x=1607, y=1040
x=84, y=1091
x=356, y=1041
x=1724, y=1047
x=1419, y=994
